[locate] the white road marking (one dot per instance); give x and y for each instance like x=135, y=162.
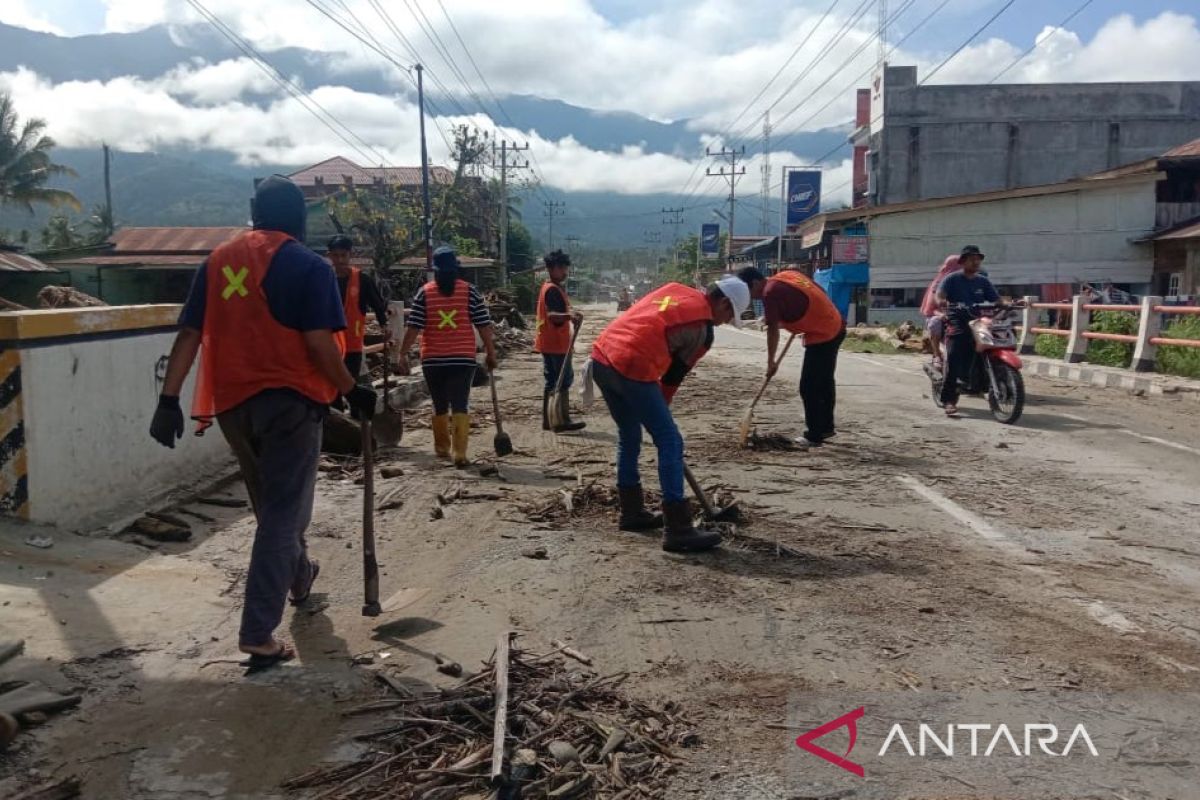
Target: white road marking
x=1163, y=442
x=908, y=372
x=1108, y=617
x=1075, y=417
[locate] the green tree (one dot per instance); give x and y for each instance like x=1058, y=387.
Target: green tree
x=99, y=224
x=520, y=247
x=25, y=163
x=59, y=234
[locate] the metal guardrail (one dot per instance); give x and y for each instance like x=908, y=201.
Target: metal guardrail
x=1151, y=312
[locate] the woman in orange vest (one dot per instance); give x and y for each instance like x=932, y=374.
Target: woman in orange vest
x=793, y=302
x=553, y=339
x=445, y=313
x=265, y=318
x=360, y=294
x=638, y=362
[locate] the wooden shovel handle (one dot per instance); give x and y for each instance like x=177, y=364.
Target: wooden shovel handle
x=767, y=379
x=562, y=372
x=495, y=402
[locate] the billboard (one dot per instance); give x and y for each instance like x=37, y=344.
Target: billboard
x=710, y=239
x=850, y=250
x=803, y=195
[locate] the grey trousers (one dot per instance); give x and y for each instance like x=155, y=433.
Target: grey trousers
x=276, y=436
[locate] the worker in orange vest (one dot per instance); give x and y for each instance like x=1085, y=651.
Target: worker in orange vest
x=445, y=313
x=553, y=339
x=792, y=301
x=265, y=317
x=360, y=294
x=638, y=362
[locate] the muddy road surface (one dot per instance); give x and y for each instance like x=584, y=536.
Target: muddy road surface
x=913, y=555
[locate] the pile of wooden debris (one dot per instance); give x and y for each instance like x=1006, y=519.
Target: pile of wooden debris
x=529, y=726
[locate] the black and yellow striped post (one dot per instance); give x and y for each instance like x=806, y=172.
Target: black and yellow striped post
x=14, y=468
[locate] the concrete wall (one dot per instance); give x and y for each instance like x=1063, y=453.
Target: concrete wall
x=87, y=392
x=1065, y=237
x=944, y=141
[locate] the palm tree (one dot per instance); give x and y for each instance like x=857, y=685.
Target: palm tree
x=99, y=224
x=59, y=234
x=25, y=164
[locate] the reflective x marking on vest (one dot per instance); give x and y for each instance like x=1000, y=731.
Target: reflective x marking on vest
x=237, y=283
x=666, y=303
x=448, y=318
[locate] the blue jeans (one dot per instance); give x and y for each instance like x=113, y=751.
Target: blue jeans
x=634, y=405
x=551, y=364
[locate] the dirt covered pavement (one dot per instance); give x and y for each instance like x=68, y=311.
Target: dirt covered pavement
x=911, y=556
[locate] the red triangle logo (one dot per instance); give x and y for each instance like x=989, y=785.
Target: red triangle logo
x=808, y=740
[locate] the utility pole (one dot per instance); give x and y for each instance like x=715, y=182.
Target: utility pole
x=764, y=223
x=883, y=31
x=674, y=218
x=428, y=222
x=111, y=222
x=732, y=176
x=650, y=238
x=553, y=210
x=504, y=166
x=572, y=241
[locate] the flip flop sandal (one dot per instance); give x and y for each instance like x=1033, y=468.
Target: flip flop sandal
x=316, y=570
x=257, y=662
x=951, y=411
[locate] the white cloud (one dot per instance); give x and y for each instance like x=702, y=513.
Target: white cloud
x=17, y=12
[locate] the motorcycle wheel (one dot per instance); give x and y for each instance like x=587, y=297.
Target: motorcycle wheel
x=1007, y=397
x=935, y=382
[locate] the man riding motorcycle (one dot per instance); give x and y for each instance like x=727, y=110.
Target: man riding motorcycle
x=963, y=288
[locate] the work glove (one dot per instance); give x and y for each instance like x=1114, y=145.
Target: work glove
x=167, y=425
x=361, y=400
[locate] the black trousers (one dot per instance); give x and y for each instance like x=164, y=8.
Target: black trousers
x=449, y=388
x=818, y=388
x=960, y=351
x=354, y=362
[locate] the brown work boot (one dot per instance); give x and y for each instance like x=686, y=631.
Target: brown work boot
x=460, y=434
x=634, y=516
x=564, y=405
x=680, y=535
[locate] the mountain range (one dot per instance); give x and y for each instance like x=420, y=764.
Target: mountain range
x=177, y=186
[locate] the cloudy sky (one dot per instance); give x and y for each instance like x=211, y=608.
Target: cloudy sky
x=703, y=60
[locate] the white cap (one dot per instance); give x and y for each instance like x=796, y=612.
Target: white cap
x=738, y=293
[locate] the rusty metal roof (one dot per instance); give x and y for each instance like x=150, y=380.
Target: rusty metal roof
x=12, y=261
x=131, y=260
x=1189, y=150
x=170, y=241
x=1189, y=230
x=336, y=171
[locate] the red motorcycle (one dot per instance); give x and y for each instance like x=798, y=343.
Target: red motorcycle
x=996, y=368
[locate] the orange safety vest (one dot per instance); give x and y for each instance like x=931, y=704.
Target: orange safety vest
x=448, y=330
x=243, y=349
x=822, y=322
x=635, y=343
x=550, y=338
x=356, y=320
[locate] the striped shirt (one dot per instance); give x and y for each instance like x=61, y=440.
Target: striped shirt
x=480, y=318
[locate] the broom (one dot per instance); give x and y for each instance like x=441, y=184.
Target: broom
x=556, y=406
x=748, y=419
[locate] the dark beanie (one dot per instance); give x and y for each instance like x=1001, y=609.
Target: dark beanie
x=279, y=206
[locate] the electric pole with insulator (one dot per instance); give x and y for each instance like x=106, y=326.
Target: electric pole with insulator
x=505, y=150
x=732, y=175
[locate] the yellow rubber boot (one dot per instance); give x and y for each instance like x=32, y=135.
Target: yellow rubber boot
x=441, y=435
x=462, y=432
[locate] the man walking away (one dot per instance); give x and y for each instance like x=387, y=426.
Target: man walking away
x=967, y=287
x=265, y=317
x=791, y=301
x=360, y=294
x=553, y=339
x=445, y=313
x=638, y=362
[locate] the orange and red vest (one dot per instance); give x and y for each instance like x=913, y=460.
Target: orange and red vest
x=448, y=330
x=356, y=320
x=244, y=350
x=550, y=338
x=635, y=343
x=822, y=322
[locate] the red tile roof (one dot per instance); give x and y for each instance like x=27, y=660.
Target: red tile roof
x=170, y=241
x=11, y=261
x=335, y=172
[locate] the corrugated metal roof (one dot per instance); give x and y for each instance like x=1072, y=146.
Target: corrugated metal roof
x=11, y=261
x=171, y=241
x=1189, y=231
x=335, y=171
x=1189, y=150
x=129, y=260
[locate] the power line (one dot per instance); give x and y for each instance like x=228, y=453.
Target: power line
x=322, y=114
x=970, y=39
x=1038, y=42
